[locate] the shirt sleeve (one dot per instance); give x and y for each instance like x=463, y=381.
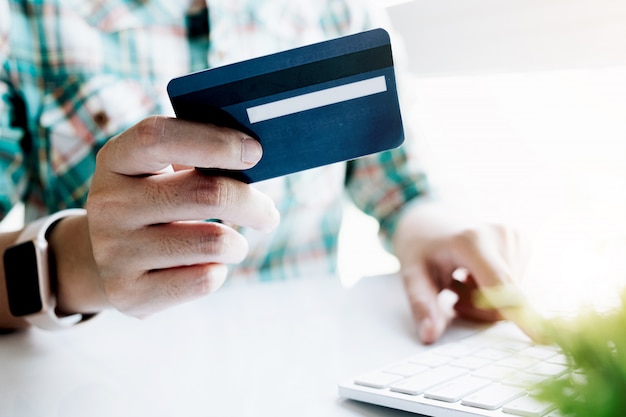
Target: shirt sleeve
x=381, y=185
x=12, y=133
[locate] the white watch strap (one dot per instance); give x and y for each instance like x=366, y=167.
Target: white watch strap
x=37, y=231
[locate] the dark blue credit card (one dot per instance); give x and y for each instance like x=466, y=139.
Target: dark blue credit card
x=311, y=106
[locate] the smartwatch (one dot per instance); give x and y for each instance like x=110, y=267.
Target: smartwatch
x=30, y=275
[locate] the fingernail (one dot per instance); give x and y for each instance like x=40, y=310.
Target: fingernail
x=251, y=151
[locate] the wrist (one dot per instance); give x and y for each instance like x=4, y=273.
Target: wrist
x=78, y=282
x=422, y=226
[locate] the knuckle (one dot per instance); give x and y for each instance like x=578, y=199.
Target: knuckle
x=214, y=243
x=224, y=136
x=213, y=192
x=226, y=246
x=222, y=244
x=149, y=131
x=221, y=134
x=467, y=239
x=102, y=152
x=208, y=244
x=205, y=280
x=107, y=214
x=119, y=293
x=150, y=136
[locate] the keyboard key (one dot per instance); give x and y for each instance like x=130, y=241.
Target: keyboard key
x=539, y=352
x=470, y=362
x=406, y=369
x=548, y=369
x=559, y=359
x=513, y=345
x=456, y=350
x=518, y=362
x=377, y=379
x=493, y=397
x=527, y=407
x=430, y=359
x=493, y=354
x=454, y=390
x=419, y=383
x=524, y=380
x=494, y=372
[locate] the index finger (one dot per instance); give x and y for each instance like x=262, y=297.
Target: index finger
x=497, y=289
x=510, y=301
x=158, y=142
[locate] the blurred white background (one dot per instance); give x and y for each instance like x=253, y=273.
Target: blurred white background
x=520, y=108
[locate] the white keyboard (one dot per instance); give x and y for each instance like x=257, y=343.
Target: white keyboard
x=486, y=374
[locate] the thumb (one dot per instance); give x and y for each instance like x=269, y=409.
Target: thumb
x=423, y=298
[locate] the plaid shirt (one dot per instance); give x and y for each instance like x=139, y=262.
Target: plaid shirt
x=74, y=73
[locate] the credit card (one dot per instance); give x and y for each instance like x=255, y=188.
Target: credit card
x=310, y=106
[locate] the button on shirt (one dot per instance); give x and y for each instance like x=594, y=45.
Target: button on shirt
x=74, y=73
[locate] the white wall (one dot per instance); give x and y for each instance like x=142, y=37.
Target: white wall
x=477, y=36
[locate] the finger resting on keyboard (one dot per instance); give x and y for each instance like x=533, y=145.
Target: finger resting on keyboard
x=529, y=320
x=512, y=304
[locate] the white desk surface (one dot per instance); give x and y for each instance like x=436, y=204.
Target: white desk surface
x=265, y=349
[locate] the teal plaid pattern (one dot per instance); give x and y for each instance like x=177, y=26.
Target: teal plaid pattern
x=75, y=73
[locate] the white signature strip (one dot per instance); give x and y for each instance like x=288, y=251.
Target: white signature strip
x=317, y=99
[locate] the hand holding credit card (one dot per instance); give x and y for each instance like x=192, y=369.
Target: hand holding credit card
x=310, y=106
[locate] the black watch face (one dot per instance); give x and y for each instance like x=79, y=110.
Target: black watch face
x=22, y=279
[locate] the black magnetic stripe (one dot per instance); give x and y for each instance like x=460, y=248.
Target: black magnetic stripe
x=291, y=78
